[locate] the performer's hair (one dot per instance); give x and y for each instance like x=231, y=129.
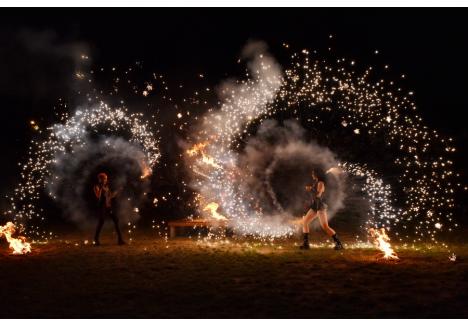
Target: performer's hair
x=320, y=176
x=101, y=175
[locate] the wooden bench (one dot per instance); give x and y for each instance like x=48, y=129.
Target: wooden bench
x=208, y=223
x=200, y=223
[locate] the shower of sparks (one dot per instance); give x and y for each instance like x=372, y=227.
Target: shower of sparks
x=333, y=97
x=62, y=137
x=18, y=245
x=380, y=109
x=381, y=212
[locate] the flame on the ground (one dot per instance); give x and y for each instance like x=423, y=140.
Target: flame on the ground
x=19, y=245
x=199, y=149
x=453, y=257
x=382, y=242
x=213, y=209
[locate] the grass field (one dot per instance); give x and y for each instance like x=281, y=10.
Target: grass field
x=185, y=279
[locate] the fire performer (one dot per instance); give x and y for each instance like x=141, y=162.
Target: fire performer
x=104, y=197
x=318, y=208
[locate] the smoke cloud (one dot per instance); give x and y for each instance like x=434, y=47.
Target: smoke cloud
x=75, y=172
x=243, y=102
x=279, y=163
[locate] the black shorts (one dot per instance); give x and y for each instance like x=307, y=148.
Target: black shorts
x=318, y=204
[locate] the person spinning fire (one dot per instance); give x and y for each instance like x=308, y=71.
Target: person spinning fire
x=318, y=208
x=104, y=197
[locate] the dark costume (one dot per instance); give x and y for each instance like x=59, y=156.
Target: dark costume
x=104, y=203
x=317, y=203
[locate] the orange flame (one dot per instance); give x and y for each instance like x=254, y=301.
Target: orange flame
x=382, y=242
x=146, y=171
x=19, y=245
x=199, y=149
x=213, y=208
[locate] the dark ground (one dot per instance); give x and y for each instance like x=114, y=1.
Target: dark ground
x=186, y=279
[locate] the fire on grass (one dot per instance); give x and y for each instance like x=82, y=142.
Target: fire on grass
x=18, y=245
x=382, y=241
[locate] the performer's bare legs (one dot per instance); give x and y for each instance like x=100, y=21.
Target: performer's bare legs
x=323, y=219
x=306, y=219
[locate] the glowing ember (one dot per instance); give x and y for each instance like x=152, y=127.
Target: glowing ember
x=382, y=242
x=213, y=208
x=19, y=245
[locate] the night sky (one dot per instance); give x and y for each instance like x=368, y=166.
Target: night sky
x=428, y=46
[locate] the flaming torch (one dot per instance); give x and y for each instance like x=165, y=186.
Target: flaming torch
x=145, y=170
x=19, y=245
x=382, y=242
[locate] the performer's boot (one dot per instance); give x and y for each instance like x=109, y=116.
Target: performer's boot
x=305, y=245
x=338, y=244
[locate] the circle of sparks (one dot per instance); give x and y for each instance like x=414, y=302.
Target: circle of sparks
x=61, y=138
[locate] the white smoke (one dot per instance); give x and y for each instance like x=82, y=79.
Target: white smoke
x=244, y=102
x=279, y=162
x=74, y=172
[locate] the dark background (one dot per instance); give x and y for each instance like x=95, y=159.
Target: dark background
x=37, y=61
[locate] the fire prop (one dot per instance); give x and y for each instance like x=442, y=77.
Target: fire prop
x=213, y=209
x=18, y=245
x=199, y=150
x=382, y=242
x=146, y=171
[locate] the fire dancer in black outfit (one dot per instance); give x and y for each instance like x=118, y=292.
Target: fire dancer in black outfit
x=104, y=197
x=318, y=208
